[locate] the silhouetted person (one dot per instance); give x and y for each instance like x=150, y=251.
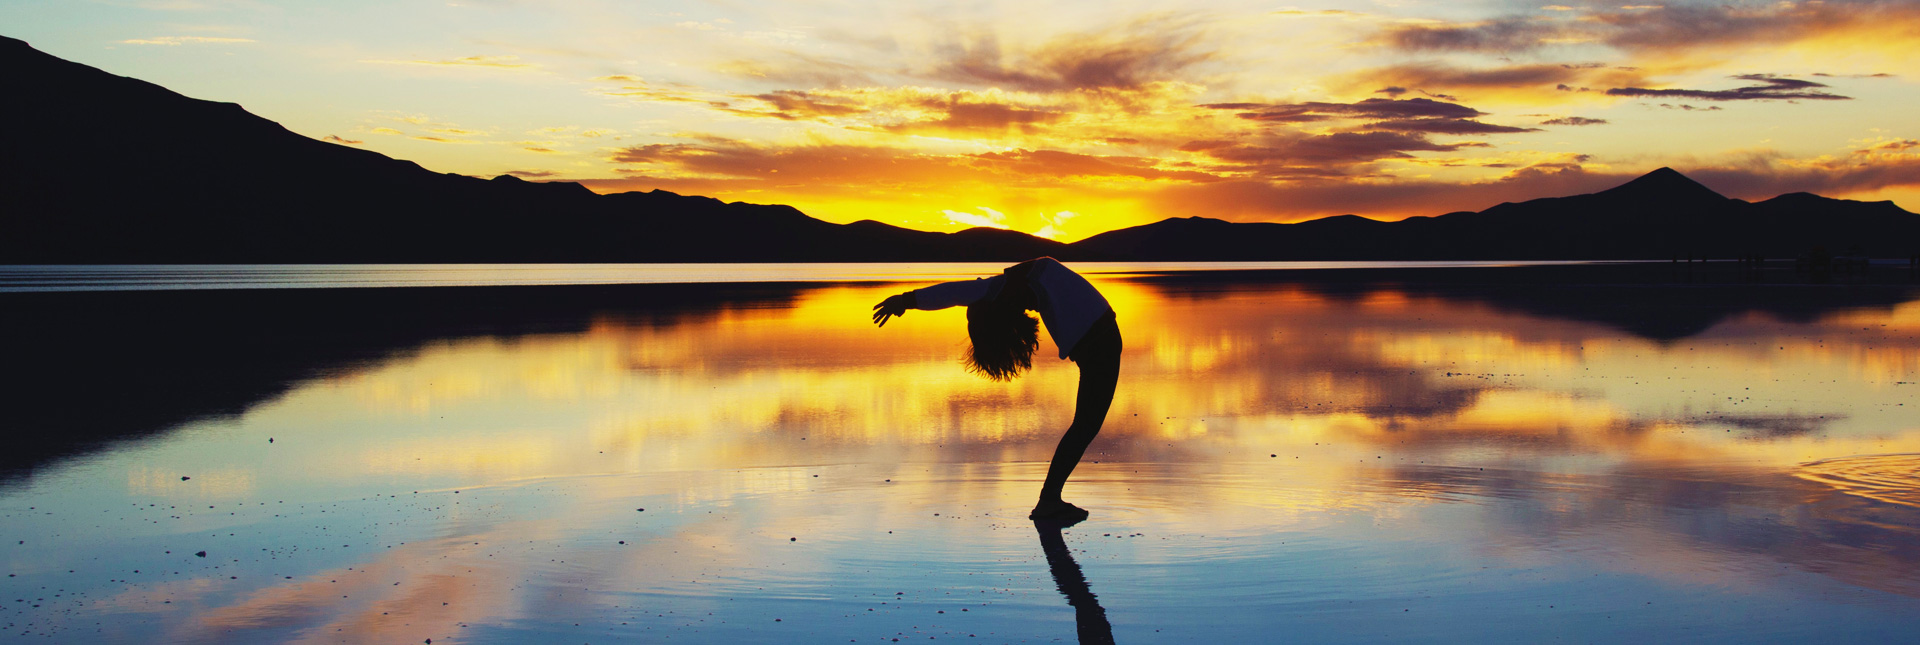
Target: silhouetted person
x=1088, y=618
x=1004, y=338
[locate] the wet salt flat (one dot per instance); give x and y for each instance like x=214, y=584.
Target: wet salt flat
x=1361, y=461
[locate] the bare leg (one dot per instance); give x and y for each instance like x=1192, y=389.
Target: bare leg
x=1099, y=374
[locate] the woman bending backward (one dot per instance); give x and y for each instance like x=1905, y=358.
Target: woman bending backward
x=1004, y=339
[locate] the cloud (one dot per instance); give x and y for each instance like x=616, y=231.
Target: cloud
x=1761, y=176
x=1056, y=163
x=1446, y=126
x=1574, y=120
x=1153, y=49
x=1450, y=77
x=1054, y=224
x=531, y=173
x=1771, y=88
x=1649, y=29
x=544, y=151
x=1365, y=108
x=1294, y=154
x=172, y=41
x=961, y=114
x=796, y=104
x=390, y=131
x=1504, y=35
x=989, y=218
x=483, y=62
x=1896, y=145
x=796, y=68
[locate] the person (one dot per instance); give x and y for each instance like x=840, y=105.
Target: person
x=1003, y=339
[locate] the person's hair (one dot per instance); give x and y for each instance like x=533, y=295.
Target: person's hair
x=1003, y=340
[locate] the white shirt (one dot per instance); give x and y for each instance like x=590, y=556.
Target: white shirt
x=1068, y=304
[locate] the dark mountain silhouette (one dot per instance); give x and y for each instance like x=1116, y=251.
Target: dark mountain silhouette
x=102, y=168
x=1660, y=215
x=187, y=180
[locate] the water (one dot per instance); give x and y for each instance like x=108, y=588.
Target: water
x=1325, y=460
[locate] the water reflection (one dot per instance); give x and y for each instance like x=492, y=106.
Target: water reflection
x=1297, y=455
x=1090, y=620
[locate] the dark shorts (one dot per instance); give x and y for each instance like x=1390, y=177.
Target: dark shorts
x=1101, y=344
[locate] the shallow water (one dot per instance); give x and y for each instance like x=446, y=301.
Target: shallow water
x=1285, y=459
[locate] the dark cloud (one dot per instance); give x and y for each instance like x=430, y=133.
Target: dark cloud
x=1126, y=58
x=812, y=164
x=1690, y=108
x=1574, y=120
x=531, y=173
x=1365, y=108
x=1879, y=75
x=1675, y=26
x=1288, y=153
x=1446, y=126
x=972, y=115
x=1771, y=88
x=1392, y=91
x=339, y=139
x=1502, y=35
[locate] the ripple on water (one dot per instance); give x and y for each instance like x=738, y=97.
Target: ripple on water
x=1894, y=479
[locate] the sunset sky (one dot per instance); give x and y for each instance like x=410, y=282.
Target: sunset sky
x=1063, y=120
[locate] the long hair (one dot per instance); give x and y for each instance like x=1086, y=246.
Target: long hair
x=1003, y=340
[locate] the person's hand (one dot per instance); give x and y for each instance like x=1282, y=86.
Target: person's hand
x=894, y=305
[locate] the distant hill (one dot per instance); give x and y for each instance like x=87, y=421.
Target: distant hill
x=1660, y=215
x=97, y=168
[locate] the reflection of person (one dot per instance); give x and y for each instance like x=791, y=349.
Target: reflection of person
x=1089, y=619
x=1004, y=338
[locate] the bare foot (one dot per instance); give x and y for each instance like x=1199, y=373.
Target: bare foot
x=1058, y=511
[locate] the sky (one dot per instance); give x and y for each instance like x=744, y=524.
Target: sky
x=1060, y=119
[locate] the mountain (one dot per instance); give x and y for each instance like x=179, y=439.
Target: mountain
x=1658, y=216
x=98, y=168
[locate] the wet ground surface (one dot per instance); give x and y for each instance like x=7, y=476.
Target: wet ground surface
x=1371, y=461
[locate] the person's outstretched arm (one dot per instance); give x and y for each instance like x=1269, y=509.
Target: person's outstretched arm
x=939, y=296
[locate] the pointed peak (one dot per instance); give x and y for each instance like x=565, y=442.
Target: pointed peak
x=1664, y=183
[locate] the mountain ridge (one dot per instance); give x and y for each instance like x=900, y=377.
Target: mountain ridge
x=213, y=183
